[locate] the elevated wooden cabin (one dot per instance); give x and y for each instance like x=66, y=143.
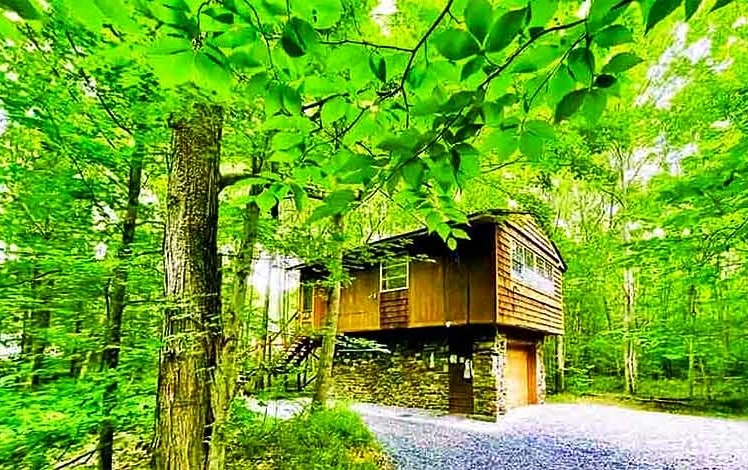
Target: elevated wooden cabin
x=465, y=326
x=508, y=273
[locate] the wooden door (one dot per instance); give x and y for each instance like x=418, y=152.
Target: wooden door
x=520, y=375
x=460, y=390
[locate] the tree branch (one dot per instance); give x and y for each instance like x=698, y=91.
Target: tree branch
x=412, y=58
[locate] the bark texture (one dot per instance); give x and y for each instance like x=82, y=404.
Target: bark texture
x=330, y=329
x=115, y=309
x=191, y=330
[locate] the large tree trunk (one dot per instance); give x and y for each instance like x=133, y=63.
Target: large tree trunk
x=330, y=329
x=192, y=330
x=116, y=307
x=227, y=359
x=629, y=342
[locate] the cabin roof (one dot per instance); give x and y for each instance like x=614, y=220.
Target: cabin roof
x=488, y=216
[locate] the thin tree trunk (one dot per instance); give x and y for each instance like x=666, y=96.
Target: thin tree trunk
x=629, y=343
x=40, y=321
x=560, y=365
x=690, y=340
x=330, y=329
x=115, y=309
x=192, y=329
x=231, y=347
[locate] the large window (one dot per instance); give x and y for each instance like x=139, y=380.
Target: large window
x=531, y=269
x=393, y=275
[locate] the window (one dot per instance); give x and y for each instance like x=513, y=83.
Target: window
x=531, y=269
x=393, y=275
x=307, y=298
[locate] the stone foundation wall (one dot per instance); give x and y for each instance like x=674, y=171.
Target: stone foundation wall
x=414, y=375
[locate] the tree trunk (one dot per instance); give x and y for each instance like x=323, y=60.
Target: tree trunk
x=227, y=358
x=115, y=309
x=330, y=329
x=560, y=365
x=191, y=329
x=690, y=340
x=629, y=343
x=40, y=321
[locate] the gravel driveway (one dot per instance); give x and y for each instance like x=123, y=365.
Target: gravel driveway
x=559, y=437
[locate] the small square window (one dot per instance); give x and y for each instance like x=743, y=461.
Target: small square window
x=394, y=275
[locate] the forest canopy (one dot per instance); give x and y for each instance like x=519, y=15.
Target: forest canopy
x=160, y=156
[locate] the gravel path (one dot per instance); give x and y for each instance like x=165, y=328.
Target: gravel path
x=559, y=437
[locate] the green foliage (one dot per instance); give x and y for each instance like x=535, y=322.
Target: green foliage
x=334, y=438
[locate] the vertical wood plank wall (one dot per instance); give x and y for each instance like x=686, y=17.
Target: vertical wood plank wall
x=473, y=285
x=519, y=304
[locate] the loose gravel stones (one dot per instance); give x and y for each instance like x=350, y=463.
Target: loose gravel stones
x=559, y=437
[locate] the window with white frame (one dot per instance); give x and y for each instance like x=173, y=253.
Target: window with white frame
x=531, y=269
x=393, y=275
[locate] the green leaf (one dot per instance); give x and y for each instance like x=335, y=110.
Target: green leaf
x=378, y=66
x=537, y=58
x=8, y=29
x=452, y=244
x=413, y=172
x=658, y=11
x=542, y=11
x=503, y=142
x=582, y=65
x=505, y=29
x=605, y=81
x=493, y=114
x=298, y=37
x=604, y=12
x=560, y=84
x=171, y=45
x=300, y=197
x=621, y=62
x=613, y=36
x=540, y=128
x=244, y=59
x=455, y=44
x=24, y=8
x=266, y=200
x=691, y=7
x=443, y=230
x=469, y=160
x=721, y=3
x=531, y=146
x=478, y=18
x=333, y=110
x=460, y=233
x=594, y=105
x=470, y=67
x=291, y=100
x=286, y=140
x=569, y=104
x=235, y=37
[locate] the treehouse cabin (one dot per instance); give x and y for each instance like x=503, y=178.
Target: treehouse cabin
x=464, y=328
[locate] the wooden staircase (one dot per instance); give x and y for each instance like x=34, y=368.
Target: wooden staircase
x=294, y=359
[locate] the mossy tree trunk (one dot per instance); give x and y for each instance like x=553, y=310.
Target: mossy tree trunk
x=191, y=329
x=330, y=328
